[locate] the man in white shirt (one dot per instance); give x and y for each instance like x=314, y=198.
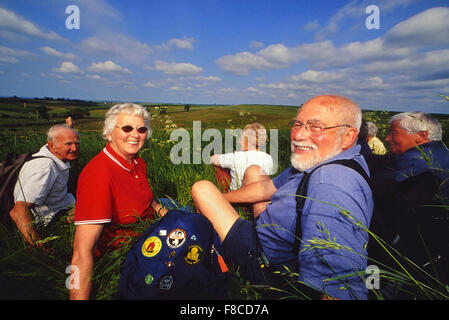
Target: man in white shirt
x=41, y=188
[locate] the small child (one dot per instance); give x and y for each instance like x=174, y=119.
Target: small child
x=253, y=137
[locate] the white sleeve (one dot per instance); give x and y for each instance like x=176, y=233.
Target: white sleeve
x=227, y=160
x=33, y=184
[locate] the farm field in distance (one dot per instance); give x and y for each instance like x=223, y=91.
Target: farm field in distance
x=19, y=112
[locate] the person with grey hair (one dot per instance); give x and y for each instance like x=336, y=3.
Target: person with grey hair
x=411, y=129
x=414, y=139
x=40, y=193
x=409, y=186
x=112, y=191
x=376, y=146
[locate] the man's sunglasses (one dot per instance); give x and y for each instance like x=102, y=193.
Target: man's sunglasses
x=129, y=128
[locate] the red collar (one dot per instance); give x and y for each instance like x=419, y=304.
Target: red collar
x=118, y=159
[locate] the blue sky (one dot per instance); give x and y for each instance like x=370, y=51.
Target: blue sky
x=228, y=51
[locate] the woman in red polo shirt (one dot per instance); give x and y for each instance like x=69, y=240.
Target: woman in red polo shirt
x=112, y=189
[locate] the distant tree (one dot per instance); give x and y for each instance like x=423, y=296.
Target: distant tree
x=42, y=113
x=187, y=108
x=78, y=113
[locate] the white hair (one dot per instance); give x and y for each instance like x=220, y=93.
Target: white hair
x=125, y=108
x=54, y=130
x=413, y=122
x=372, y=129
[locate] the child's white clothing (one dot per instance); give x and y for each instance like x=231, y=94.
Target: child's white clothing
x=239, y=161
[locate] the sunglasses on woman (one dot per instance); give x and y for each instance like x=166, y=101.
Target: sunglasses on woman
x=128, y=129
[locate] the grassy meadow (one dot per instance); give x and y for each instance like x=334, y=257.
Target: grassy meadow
x=27, y=273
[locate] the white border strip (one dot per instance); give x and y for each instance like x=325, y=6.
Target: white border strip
x=100, y=221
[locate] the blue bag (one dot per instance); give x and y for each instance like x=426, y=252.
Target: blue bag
x=178, y=257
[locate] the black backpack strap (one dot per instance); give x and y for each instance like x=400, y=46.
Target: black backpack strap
x=302, y=192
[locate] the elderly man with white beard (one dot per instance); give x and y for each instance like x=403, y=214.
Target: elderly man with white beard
x=338, y=203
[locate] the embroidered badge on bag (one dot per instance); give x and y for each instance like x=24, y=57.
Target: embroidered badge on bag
x=149, y=279
x=166, y=282
x=151, y=246
x=176, y=238
x=194, y=254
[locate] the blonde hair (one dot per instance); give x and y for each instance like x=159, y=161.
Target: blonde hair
x=258, y=131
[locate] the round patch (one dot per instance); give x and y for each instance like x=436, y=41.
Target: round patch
x=176, y=238
x=149, y=279
x=151, y=246
x=194, y=254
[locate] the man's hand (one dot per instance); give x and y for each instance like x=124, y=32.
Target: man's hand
x=21, y=215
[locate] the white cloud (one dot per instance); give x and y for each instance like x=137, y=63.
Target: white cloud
x=174, y=68
x=9, y=55
x=68, y=67
x=256, y=44
x=315, y=76
x=252, y=90
x=272, y=57
x=94, y=77
x=431, y=61
x=318, y=51
x=186, y=43
x=324, y=54
x=108, y=67
x=117, y=45
x=276, y=86
x=180, y=88
x=242, y=63
x=367, y=50
x=55, y=53
x=201, y=78
x=430, y=27
x=12, y=23
x=279, y=56
x=51, y=75
x=321, y=54
x=423, y=85
x=313, y=25
x=149, y=84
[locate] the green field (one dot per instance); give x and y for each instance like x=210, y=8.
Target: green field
x=28, y=274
